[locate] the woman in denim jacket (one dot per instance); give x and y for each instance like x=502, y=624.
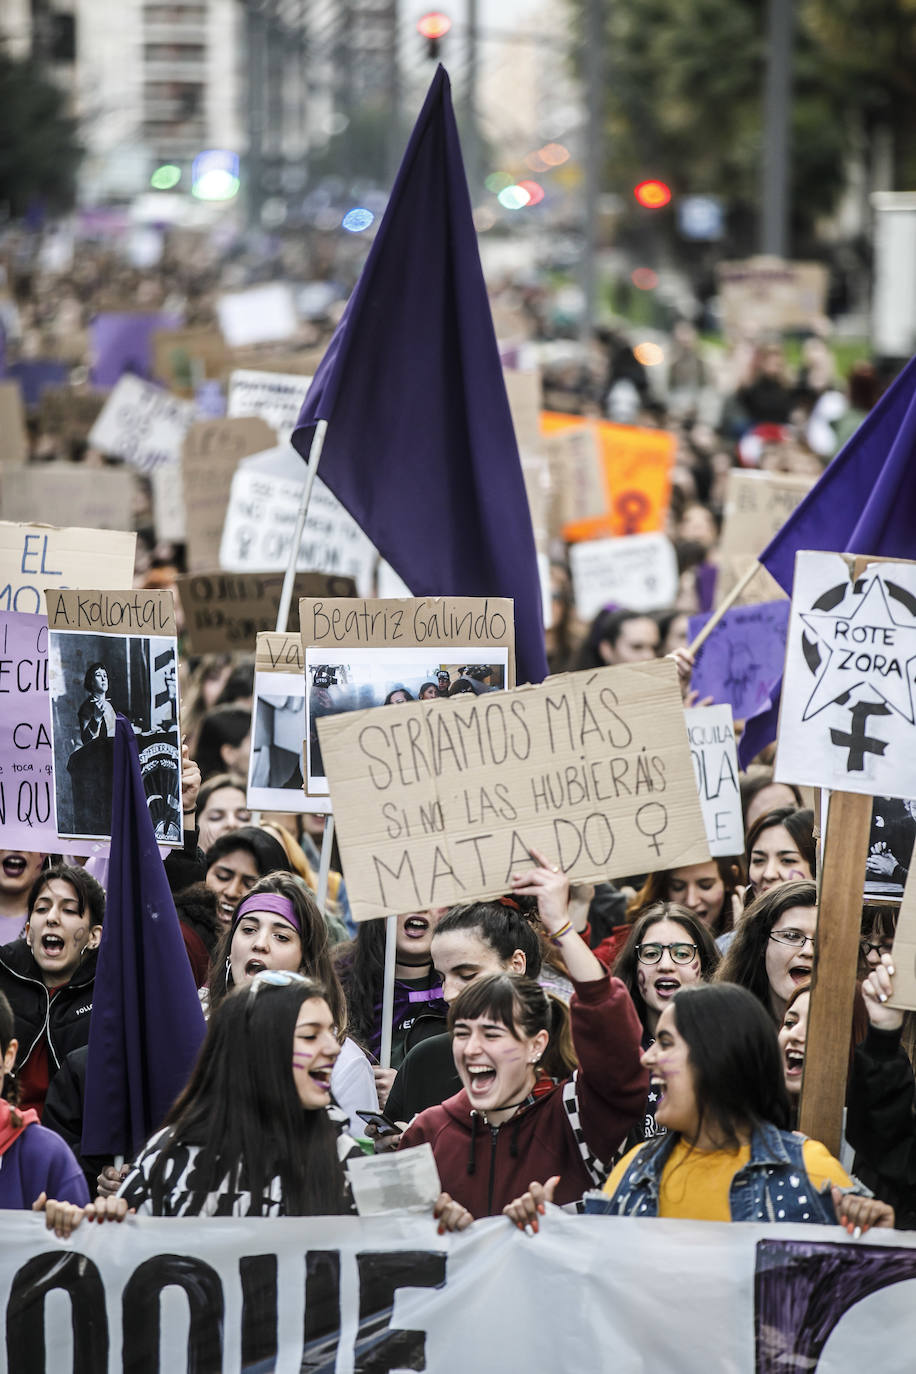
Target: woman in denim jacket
x=728, y=1155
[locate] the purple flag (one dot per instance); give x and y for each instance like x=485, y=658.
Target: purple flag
x=147, y=1024
x=420, y=446
x=865, y=503
x=34, y=374
x=742, y=656
x=120, y=343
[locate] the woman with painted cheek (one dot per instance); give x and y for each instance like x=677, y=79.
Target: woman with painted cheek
x=668, y=949
x=773, y=950
x=780, y=849
x=279, y=929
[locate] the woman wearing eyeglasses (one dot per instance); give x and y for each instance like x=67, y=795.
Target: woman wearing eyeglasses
x=668, y=949
x=773, y=950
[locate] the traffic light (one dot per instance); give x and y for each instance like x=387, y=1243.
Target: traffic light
x=433, y=27
x=652, y=195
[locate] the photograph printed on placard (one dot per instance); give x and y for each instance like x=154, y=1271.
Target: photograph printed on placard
x=277, y=735
x=356, y=679
x=93, y=679
x=890, y=847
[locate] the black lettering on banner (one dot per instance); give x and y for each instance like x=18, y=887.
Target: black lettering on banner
x=258, y=1274
x=379, y=1349
x=803, y=1288
x=79, y=1278
x=321, y=1332
x=141, y=1313
x=396, y=875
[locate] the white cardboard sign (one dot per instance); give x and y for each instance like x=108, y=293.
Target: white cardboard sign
x=638, y=571
x=142, y=424
x=848, y=715
x=275, y=397
x=711, y=732
x=262, y=314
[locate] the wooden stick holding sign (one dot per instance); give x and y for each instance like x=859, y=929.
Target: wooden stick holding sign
x=743, y=582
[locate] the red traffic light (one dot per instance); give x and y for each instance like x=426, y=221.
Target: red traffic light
x=434, y=25
x=652, y=195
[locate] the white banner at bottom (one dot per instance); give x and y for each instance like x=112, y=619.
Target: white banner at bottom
x=347, y=1296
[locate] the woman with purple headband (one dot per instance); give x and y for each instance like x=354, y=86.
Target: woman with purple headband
x=278, y=927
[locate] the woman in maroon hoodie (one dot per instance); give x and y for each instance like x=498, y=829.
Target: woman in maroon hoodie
x=512, y=1119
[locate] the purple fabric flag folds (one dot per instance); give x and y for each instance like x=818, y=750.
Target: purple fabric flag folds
x=147, y=1024
x=865, y=503
x=420, y=445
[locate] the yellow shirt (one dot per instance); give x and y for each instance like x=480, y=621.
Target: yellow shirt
x=695, y=1183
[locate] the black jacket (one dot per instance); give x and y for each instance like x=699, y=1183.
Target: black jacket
x=65, y=1019
x=881, y=1122
x=63, y=1113
x=426, y=1077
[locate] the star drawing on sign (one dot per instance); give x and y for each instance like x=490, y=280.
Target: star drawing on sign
x=866, y=647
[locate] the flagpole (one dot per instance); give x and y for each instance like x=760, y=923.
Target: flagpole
x=741, y=585
x=324, y=863
x=391, y=952
x=289, y=577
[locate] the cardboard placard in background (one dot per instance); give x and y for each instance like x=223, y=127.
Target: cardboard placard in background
x=904, y=951
x=169, y=513
x=777, y=295
x=211, y=452
x=757, y=505
x=275, y=780
x=68, y=412
x=142, y=424
x=711, y=732
x=274, y=397
x=260, y=314
x=577, y=485
x=636, y=467
x=523, y=389
x=92, y=498
x=109, y=653
x=229, y=610
x=847, y=718
x=742, y=657
x=26, y=768
x=184, y=357
x=36, y=558
x=638, y=572
x=261, y=519
x=440, y=802
x=14, y=441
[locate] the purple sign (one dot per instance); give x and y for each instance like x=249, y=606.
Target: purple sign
x=742, y=657
x=122, y=343
x=26, y=773
x=34, y=374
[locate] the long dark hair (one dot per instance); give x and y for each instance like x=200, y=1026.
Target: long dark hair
x=220, y=725
x=7, y=1032
x=626, y=964
x=241, y=1108
x=655, y=889
x=313, y=938
x=90, y=895
x=268, y=854
x=504, y=928
x=745, y=958
x=524, y=1008
x=360, y=966
x=800, y=825
x=735, y=1060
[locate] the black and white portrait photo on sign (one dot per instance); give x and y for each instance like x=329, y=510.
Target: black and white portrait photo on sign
x=361, y=678
x=277, y=735
x=890, y=847
x=93, y=679
x=847, y=719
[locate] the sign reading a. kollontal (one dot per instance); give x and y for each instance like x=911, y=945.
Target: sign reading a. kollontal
x=441, y=802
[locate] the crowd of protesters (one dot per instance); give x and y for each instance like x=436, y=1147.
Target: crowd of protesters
x=638, y=1043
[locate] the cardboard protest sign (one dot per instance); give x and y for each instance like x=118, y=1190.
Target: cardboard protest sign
x=184, y=357
x=742, y=656
x=275, y=397
x=14, y=441
x=362, y=654
x=211, y=452
x=275, y=780
x=110, y=653
x=261, y=519
x=638, y=571
x=636, y=467
x=26, y=772
x=577, y=483
x=890, y=848
x=847, y=719
x=69, y=412
x=757, y=505
x=441, y=802
x=169, y=514
x=775, y=294
x=260, y=314
x=228, y=610
x=36, y=558
x=61, y=492
x=711, y=732
x=523, y=389
x=142, y=424
x=904, y=952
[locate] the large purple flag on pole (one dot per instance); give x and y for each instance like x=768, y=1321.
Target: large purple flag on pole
x=147, y=1024
x=865, y=503
x=420, y=446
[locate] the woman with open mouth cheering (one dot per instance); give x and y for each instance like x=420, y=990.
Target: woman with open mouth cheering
x=513, y=1118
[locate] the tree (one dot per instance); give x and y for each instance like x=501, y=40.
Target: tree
x=39, y=148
